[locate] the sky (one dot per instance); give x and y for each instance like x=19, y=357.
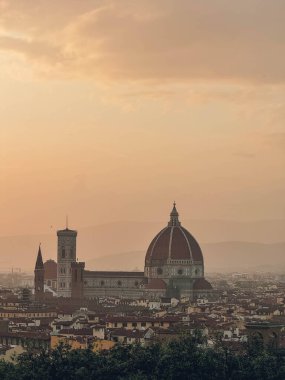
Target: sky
x=111, y=110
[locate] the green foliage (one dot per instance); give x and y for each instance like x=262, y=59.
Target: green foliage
x=185, y=358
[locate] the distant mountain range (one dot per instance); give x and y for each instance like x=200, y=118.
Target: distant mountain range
x=226, y=245
x=218, y=257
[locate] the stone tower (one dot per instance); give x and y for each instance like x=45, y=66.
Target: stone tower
x=77, y=287
x=66, y=255
x=39, y=277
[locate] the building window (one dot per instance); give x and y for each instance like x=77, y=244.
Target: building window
x=125, y=324
x=71, y=253
x=102, y=283
x=134, y=324
x=180, y=271
x=136, y=283
x=159, y=271
x=63, y=253
x=119, y=283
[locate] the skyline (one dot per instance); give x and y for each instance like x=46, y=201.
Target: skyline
x=227, y=246
x=105, y=129
x=142, y=182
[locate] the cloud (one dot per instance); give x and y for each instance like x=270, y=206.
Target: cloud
x=161, y=41
x=34, y=49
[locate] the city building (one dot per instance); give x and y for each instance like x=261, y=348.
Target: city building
x=174, y=267
x=50, y=267
x=39, y=277
x=66, y=254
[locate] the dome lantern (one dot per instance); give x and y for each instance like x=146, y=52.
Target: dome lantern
x=174, y=217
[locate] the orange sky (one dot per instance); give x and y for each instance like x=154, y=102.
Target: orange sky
x=110, y=110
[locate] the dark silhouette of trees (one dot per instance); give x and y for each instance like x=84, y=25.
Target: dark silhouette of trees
x=184, y=358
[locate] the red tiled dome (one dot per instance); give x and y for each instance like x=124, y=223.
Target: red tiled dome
x=156, y=284
x=202, y=284
x=173, y=242
x=50, y=267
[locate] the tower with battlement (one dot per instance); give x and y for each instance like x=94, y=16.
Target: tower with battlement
x=66, y=255
x=77, y=284
x=174, y=267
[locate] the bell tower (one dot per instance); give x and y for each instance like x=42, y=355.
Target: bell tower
x=66, y=255
x=77, y=285
x=39, y=276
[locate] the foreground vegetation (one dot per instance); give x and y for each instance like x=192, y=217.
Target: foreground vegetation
x=181, y=359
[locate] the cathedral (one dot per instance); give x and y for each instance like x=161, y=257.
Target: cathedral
x=174, y=267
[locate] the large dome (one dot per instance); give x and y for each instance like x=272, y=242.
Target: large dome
x=173, y=243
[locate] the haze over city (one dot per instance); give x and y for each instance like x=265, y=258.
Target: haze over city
x=142, y=217
x=111, y=110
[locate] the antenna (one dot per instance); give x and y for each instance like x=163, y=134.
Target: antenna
x=66, y=223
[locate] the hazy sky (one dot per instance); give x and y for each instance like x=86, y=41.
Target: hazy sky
x=110, y=110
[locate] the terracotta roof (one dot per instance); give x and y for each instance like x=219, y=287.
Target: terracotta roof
x=202, y=284
x=84, y=331
x=27, y=334
x=176, y=243
x=173, y=242
x=50, y=267
x=156, y=284
x=133, y=318
x=135, y=333
x=113, y=274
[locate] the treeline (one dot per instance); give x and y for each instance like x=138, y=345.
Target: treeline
x=180, y=359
